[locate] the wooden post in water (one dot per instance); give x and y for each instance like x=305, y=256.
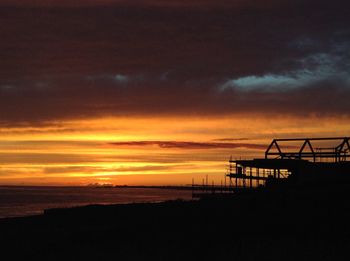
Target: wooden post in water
x=251, y=177
x=225, y=182
x=206, y=183
x=192, y=186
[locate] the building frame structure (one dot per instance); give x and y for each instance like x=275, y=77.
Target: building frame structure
x=280, y=166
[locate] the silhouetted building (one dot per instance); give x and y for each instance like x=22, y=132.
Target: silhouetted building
x=307, y=161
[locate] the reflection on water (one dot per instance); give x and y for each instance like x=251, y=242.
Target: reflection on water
x=23, y=201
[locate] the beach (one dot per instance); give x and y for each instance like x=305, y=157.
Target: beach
x=290, y=224
x=17, y=201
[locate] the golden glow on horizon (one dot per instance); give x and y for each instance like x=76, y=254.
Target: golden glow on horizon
x=80, y=151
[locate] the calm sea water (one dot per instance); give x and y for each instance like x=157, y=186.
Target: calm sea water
x=24, y=201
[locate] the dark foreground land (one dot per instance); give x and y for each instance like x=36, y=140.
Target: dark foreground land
x=285, y=224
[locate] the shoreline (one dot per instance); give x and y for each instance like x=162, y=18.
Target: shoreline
x=28, y=201
x=289, y=224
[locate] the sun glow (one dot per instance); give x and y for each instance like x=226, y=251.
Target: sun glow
x=143, y=150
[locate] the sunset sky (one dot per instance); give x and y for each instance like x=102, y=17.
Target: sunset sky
x=156, y=92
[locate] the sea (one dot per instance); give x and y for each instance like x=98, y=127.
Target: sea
x=18, y=201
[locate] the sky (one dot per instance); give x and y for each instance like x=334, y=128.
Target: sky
x=156, y=92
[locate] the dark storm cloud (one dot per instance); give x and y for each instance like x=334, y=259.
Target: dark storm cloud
x=153, y=3
x=232, y=139
x=153, y=58
x=190, y=145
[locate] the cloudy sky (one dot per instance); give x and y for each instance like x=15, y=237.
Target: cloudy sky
x=168, y=90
